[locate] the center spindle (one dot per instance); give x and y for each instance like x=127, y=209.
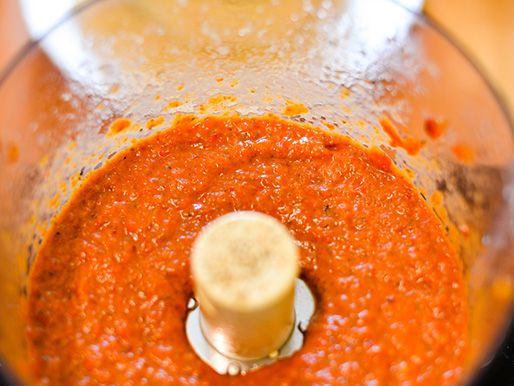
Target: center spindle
x=245, y=268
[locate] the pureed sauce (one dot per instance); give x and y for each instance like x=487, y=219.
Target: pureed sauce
x=108, y=291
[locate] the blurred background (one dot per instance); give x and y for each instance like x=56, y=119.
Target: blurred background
x=483, y=28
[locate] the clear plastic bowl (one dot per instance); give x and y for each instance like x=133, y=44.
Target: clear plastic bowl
x=348, y=62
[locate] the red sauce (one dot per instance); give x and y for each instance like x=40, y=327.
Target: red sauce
x=108, y=291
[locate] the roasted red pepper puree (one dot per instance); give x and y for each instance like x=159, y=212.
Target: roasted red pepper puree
x=108, y=291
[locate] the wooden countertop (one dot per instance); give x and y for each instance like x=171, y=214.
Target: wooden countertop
x=485, y=29
x=12, y=32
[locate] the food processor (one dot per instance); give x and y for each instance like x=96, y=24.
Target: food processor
x=347, y=66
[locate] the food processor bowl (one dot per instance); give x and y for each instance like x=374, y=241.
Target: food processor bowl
x=346, y=66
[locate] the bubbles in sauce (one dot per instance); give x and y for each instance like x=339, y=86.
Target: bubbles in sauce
x=109, y=288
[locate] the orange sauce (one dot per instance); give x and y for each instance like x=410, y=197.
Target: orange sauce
x=119, y=125
x=411, y=145
x=294, y=108
x=153, y=122
x=108, y=290
x=463, y=152
x=173, y=105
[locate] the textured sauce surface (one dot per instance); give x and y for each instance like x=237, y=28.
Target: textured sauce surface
x=108, y=291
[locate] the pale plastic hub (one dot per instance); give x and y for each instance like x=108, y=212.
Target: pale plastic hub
x=245, y=268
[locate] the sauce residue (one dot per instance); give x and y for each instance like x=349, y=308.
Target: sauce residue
x=13, y=153
x=153, y=122
x=345, y=93
x=411, y=145
x=108, y=291
x=437, y=198
x=294, y=108
x=173, y=104
x=119, y=125
x=435, y=128
x=218, y=103
x=463, y=152
x=328, y=125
